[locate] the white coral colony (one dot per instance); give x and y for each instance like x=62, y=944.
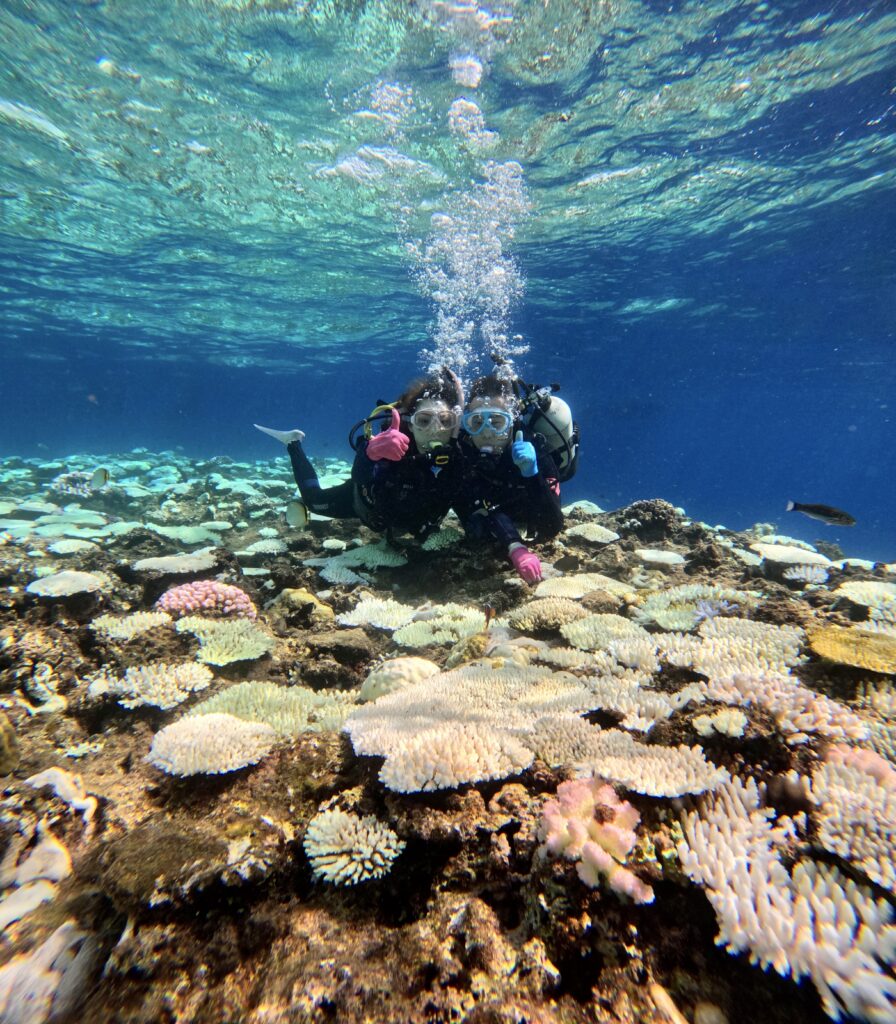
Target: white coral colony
x=345, y=849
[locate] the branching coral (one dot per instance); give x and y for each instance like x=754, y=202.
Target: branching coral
x=588, y=823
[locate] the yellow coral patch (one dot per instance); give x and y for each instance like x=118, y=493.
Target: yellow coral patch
x=858, y=647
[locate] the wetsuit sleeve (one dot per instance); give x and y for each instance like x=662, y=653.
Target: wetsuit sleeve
x=546, y=514
x=336, y=502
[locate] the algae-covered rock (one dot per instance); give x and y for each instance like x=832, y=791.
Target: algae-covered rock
x=158, y=861
x=860, y=648
x=9, y=746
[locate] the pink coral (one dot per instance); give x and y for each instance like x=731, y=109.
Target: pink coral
x=588, y=823
x=207, y=597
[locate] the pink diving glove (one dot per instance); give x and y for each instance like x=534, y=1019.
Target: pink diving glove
x=527, y=565
x=391, y=444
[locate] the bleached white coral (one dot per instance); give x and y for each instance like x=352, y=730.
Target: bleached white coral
x=197, y=561
x=677, y=607
x=808, y=921
x=223, y=641
x=596, y=632
x=727, y=646
x=449, y=755
x=809, y=575
x=593, y=533
x=126, y=627
x=652, y=770
x=640, y=707
x=870, y=593
x=546, y=613
x=161, y=685
x=790, y=553
x=856, y=815
x=346, y=849
x=728, y=722
x=798, y=710
x=580, y=584
x=289, y=710
x=395, y=674
x=442, y=624
x=68, y=583
x=383, y=613
x=210, y=745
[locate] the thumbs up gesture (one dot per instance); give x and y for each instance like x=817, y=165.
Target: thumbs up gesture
x=391, y=444
x=523, y=455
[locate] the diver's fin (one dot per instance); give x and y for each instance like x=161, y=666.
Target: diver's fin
x=284, y=436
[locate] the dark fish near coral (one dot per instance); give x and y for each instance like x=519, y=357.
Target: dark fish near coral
x=823, y=513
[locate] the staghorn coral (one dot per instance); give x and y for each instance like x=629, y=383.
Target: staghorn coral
x=855, y=794
x=346, y=849
x=587, y=822
x=810, y=920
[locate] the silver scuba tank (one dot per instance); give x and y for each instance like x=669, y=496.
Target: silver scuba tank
x=551, y=417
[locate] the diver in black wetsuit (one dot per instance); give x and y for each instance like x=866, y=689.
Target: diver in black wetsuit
x=404, y=478
x=510, y=477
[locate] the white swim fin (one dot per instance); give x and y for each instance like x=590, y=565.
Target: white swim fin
x=284, y=436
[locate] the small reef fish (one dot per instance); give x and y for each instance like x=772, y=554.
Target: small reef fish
x=296, y=514
x=823, y=513
x=99, y=478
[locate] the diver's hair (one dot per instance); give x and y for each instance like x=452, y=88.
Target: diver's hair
x=442, y=386
x=493, y=387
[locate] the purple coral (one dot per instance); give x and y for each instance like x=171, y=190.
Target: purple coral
x=588, y=823
x=710, y=609
x=209, y=598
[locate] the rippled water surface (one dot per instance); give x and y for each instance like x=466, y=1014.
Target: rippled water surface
x=218, y=212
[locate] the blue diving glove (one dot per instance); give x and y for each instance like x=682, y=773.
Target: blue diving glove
x=523, y=455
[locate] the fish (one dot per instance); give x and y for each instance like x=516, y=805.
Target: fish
x=99, y=479
x=297, y=514
x=823, y=513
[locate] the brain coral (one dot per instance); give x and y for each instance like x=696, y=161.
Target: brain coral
x=346, y=849
x=210, y=745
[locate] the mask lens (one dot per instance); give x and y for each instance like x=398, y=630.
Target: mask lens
x=425, y=420
x=496, y=420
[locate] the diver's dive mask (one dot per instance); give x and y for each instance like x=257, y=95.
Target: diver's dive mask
x=496, y=421
x=430, y=419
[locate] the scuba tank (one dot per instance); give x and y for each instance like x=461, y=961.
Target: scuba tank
x=546, y=414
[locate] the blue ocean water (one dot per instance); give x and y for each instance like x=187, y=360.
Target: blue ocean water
x=215, y=215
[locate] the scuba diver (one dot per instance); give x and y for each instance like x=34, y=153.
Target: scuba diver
x=513, y=438
x=403, y=478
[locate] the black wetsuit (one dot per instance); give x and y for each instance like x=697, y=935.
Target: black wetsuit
x=411, y=495
x=495, y=497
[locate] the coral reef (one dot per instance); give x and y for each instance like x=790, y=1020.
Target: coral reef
x=338, y=781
